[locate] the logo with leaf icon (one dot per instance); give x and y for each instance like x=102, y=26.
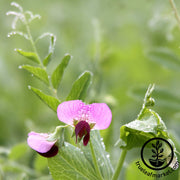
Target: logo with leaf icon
x=157, y=156
x=157, y=153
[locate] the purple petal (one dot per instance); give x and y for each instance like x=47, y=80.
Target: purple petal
x=52, y=152
x=86, y=139
x=83, y=129
x=38, y=142
x=100, y=114
x=69, y=110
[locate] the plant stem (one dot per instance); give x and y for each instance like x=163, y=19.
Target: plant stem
x=148, y=101
x=95, y=162
x=54, y=91
x=32, y=41
x=120, y=164
x=141, y=113
x=173, y=5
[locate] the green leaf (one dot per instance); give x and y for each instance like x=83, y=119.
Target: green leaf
x=59, y=71
x=147, y=125
x=30, y=55
x=137, y=132
x=71, y=163
x=4, y=150
x=137, y=170
x=80, y=87
x=18, y=151
x=174, y=175
x=165, y=57
x=47, y=59
x=13, y=167
x=38, y=72
x=45, y=177
x=77, y=164
x=52, y=102
x=102, y=156
x=40, y=163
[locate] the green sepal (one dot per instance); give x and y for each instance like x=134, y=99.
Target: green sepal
x=92, y=125
x=75, y=122
x=58, y=135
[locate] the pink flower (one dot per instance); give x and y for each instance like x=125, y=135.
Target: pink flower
x=84, y=117
x=39, y=142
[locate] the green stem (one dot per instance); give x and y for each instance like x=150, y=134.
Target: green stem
x=54, y=91
x=148, y=101
x=32, y=41
x=173, y=5
x=141, y=113
x=95, y=162
x=120, y=164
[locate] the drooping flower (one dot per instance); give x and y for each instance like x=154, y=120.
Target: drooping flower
x=40, y=143
x=84, y=117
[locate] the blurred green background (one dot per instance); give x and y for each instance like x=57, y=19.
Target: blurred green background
x=110, y=39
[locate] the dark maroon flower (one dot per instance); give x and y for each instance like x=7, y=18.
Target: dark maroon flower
x=83, y=129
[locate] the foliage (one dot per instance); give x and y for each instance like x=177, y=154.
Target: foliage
x=77, y=163
x=126, y=47
x=147, y=125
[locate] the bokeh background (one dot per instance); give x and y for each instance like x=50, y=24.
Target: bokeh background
x=109, y=38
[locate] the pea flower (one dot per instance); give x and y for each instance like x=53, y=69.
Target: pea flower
x=84, y=117
x=40, y=143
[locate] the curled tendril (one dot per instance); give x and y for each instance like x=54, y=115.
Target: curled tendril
x=12, y=33
x=17, y=6
x=32, y=16
x=21, y=15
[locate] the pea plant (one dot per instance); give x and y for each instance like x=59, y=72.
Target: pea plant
x=75, y=150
